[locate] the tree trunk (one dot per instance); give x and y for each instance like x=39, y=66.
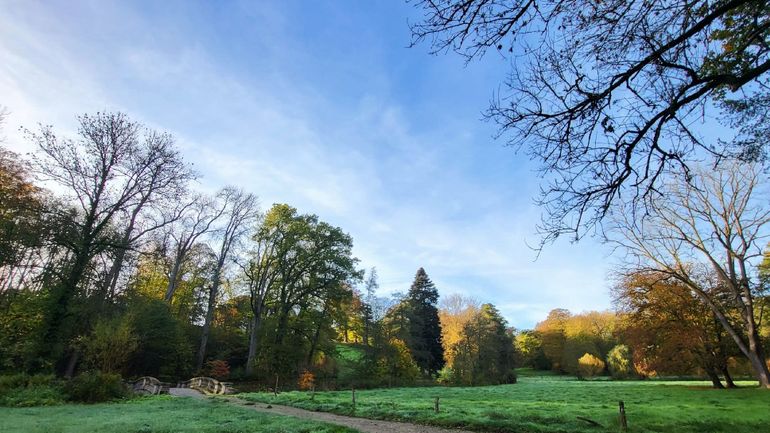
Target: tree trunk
x=757, y=357
x=256, y=323
x=317, y=335
x=715, y=381
x=172, y=279
x=207, y=323
x=57, y=329
x=72, y=363
x=728, y=378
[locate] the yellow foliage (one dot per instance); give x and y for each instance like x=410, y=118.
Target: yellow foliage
x=590, y=366
x=454, y=312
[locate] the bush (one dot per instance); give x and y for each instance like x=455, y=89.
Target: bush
x=218, y=369
x=21, y=390
x=33, y=396
x=619, y=362
x=306, y=381
x=111, y=344
x=95, y=387
x=589, y=366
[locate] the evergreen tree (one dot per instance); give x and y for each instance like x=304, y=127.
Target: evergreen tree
x=423, y=327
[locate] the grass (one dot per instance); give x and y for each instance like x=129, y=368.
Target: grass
x=553, y=403
x=153, y=415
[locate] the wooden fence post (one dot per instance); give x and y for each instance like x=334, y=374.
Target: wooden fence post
x=354, y=399
x=623, y=421
x=435, y=407
x=275, y=390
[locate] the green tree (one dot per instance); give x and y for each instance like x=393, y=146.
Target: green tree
x=485, y=352
x=423, y=327
x=111, y=344
x=620, y=362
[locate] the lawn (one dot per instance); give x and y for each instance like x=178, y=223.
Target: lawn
x=153, y=415
x=553, y=403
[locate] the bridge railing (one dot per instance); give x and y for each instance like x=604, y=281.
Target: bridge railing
x=207, y=385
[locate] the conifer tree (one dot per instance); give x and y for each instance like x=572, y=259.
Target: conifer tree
x=424, y=328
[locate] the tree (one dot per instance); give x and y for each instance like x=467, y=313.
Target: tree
x=670, y=329
x=104, y=173
x=299, y=272
x=455, y=311
x=369, y=304
x=164, y=181
x=423, y=335
x=608, y=95
x=23, y=228
x=196, y=219
x=706, y=236
x=620, y=362
x=241, y=211
x=484, y=354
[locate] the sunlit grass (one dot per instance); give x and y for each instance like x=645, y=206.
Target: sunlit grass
x=552, y=404
x=153, y=415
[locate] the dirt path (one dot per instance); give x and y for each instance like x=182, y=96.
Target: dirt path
x=361, y=424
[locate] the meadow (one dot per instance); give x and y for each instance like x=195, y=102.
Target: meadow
x=553, y=404
x=160, y=414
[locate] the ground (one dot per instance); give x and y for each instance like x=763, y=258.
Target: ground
x=160, y=414
x=535, y=404
x=553, y=404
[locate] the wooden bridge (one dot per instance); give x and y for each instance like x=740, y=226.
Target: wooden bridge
x=205, y=385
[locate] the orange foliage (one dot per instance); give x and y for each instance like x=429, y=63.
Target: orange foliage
x=306, y=380
x=218, y=369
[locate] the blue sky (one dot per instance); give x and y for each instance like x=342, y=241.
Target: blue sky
x=320, y=105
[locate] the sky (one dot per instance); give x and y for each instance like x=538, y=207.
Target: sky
x=321, y=105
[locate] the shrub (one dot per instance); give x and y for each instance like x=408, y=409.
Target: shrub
x=217, y=368
x=95, y=387
x=33, y=396
x=619, y=362
x=21, y=390
x=306, y=380
x=111, y=344
x=589, y=366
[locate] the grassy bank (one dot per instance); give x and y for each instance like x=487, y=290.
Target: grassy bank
x=552, y=404
x=153, y=415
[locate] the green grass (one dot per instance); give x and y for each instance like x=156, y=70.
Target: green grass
x=553, y=403
x=153, y=415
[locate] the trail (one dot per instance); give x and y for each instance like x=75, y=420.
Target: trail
x=361, y=424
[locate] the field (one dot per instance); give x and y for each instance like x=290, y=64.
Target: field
x=552, y=404
x=153, y=415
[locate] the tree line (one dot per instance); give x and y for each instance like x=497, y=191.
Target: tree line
x=111, y=260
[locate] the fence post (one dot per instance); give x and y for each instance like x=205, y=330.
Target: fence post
x=436, y=408
x=354, y=399
x=275, y=390
x=623, y=421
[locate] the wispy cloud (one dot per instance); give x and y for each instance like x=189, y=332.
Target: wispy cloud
x=318, y=122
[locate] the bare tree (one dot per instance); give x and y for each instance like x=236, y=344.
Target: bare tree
x=708, y=235
x=241, y=211
x=104, y=173
x=196, y=219
x=164, y=178
x=608, y=95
